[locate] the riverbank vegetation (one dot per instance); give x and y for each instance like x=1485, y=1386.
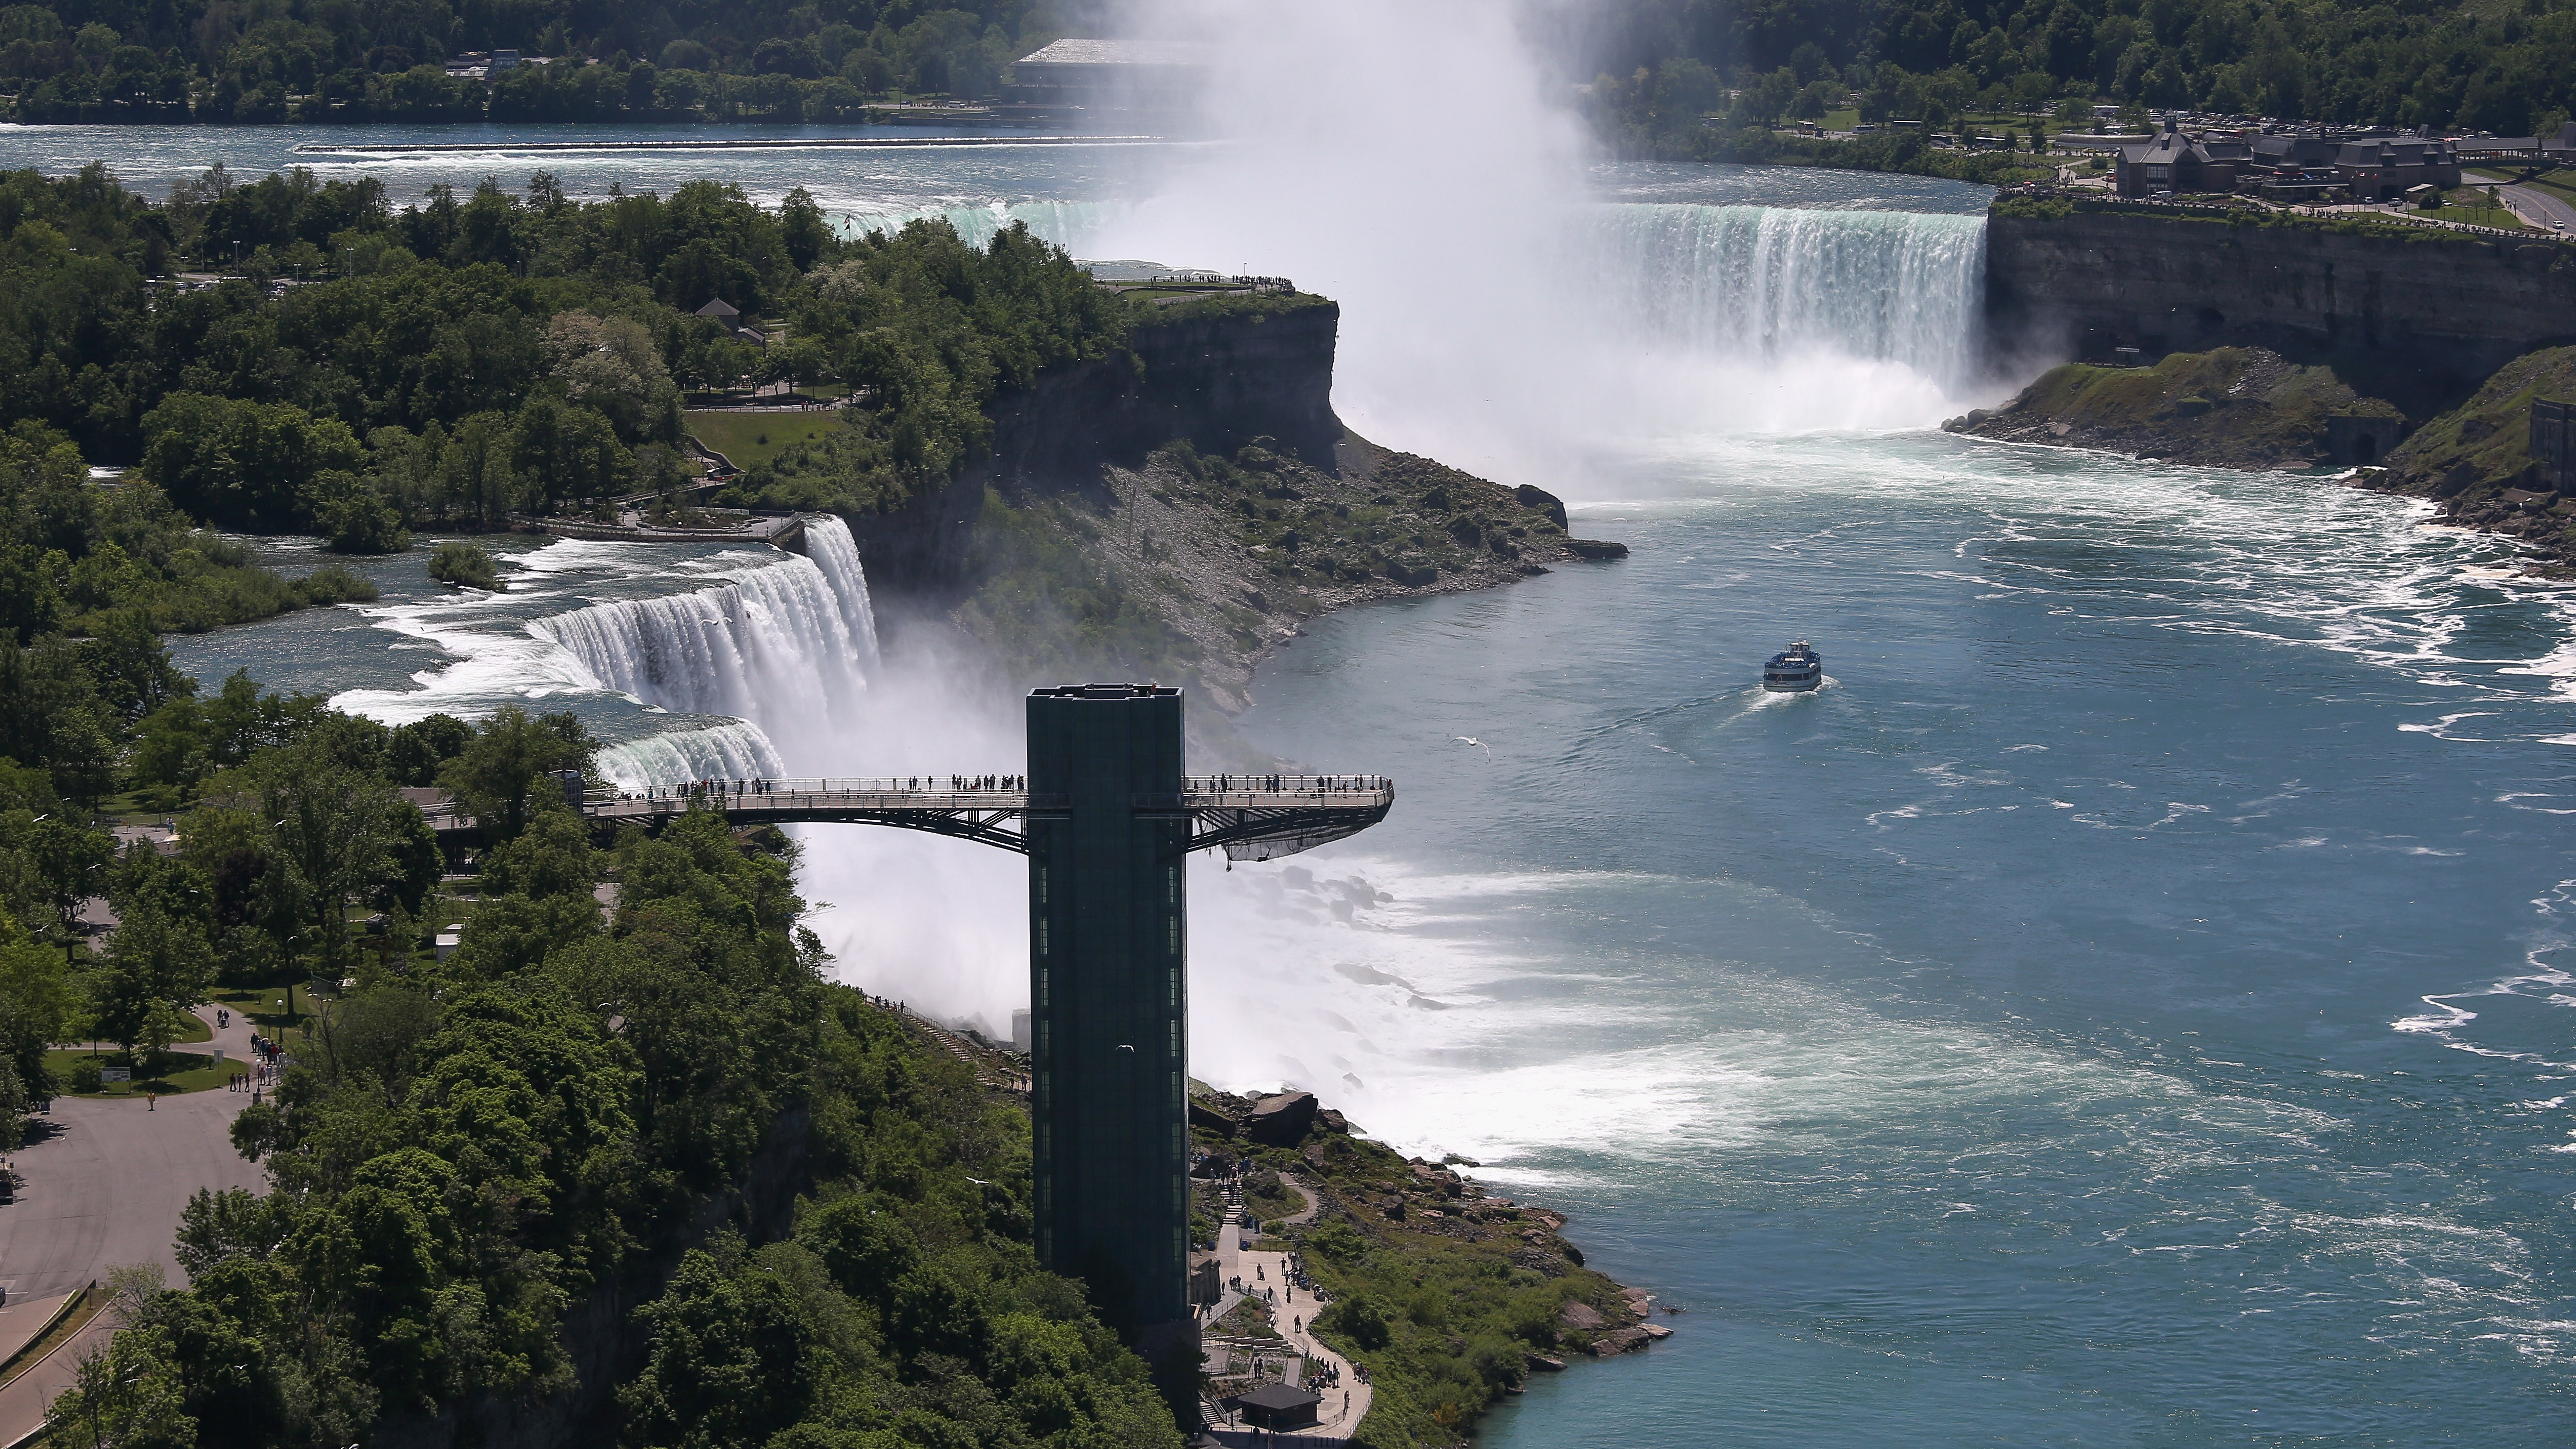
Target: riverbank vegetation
x=2231, y=407
x=465, y=1149
x=2352, y=61
x=755, y=61
x=2476, y=460
x=367, y=370
x=1449, y=1297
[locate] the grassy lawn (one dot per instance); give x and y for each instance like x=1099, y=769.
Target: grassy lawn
x=263, y=1007
x=749, y=438
x=2560, y=183
x=185, y=1072
x=2494, y=216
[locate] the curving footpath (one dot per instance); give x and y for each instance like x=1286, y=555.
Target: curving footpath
x=1339, y=1415
x=101, y=1185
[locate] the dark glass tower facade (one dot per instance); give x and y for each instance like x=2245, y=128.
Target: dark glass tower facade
x=1108, y=997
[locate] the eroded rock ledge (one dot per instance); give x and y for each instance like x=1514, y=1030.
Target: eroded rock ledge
x=2237, y=407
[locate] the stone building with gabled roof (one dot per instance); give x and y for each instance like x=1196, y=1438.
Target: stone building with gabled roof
x=2380, y=168
x=2175, y=162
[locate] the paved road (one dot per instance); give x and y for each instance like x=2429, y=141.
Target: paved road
x=22, y=1320
x=2538, y=207
x=101, y=1184
x=23, y=1401
x=104, y=1182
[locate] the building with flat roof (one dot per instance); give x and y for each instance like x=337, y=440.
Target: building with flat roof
x=1110, y=74
x=1278, y=1406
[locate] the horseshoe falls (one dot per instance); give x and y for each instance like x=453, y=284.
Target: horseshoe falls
x=1766, y=285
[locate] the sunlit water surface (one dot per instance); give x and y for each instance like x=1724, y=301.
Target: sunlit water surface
x=2127, y=1006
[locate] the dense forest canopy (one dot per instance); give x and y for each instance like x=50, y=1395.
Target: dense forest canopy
x=367, y=370
x=2500, y=68
x=465, y=1145
x=272, y=60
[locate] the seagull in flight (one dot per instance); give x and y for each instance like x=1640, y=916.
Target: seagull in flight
x=1479, y=744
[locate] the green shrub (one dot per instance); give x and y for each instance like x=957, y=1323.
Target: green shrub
x=85, y=1076
x=467, y=565
x=1362, y=1319
x=335, y=584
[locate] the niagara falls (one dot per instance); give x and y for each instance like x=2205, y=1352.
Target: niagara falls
x=2117, y=999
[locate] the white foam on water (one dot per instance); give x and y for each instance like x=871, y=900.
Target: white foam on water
x=731, y=751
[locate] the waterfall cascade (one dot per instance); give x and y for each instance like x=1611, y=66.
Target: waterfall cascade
x=833, y=551
x=1068, y=224
x=785, y=645
x=728, y=750
x=1766, y=284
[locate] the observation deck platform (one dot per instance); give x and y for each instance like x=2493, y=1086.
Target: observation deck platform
x=1249, y=817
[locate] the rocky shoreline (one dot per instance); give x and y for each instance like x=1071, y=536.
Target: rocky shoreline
x=1427, y=1275
x=1182, y=513
x=1243, y=553
x=2236, y=407
x=2252, y=409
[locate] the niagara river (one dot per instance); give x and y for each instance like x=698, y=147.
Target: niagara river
x=2124, y=1006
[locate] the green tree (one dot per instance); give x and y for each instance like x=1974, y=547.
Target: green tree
x=796, y=362
x=71, y=862
x=154, y=964
x=552, y=858
x=502, y=776
x=334, y=829
x=732, y=1359
x=354, y=516
x=162, y=1024
x=37, y=1005
x=468, y=565
x=124, y=1394
x=244, y=464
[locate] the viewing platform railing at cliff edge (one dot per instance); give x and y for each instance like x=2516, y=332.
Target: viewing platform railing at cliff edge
x=1250, y=817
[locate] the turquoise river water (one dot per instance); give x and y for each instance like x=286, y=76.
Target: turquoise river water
x=2127, y=1006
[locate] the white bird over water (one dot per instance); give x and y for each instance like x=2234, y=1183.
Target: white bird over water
x=1479, y=744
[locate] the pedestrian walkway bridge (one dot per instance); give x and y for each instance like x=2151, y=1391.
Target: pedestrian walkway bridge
x=1250, y=817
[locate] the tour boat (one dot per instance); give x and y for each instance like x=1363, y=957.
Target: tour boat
x=1794, y=669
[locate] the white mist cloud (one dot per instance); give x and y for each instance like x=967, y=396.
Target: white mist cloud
x=1417, y=163
x=1404, y=160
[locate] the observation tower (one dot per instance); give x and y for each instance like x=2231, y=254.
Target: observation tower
x=1108, y=818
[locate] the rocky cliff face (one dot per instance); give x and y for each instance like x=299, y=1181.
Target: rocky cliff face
x=2476, y=461
x=1180, y=514
x=2418, y=318
x=2236, y=407
x=1217, y=382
